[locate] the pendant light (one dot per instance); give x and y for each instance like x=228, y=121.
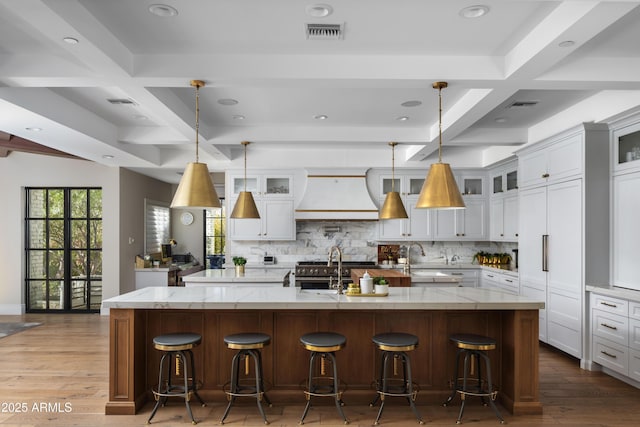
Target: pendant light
x=245, y=205
x=393, y=207
x=440, y=190
x=196, y=187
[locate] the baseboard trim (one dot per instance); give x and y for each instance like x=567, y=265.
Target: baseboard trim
x=12, y=309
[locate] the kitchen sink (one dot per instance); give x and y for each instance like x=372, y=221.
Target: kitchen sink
x=428, y=273
x=319, y=291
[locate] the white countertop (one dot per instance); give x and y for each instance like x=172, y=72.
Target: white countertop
x=228, y=275
x=278, y=298
x=616, y=292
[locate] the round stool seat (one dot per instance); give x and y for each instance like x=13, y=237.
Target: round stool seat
x=395, y=341
x=247, y=340
x=177, y=342
x=473, y=342
x=323, y=341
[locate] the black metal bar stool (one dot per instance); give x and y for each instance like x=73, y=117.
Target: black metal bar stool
x=474, y=347
x=248, y=346
x=323, y=345
x=394, y=347
x=176, y=347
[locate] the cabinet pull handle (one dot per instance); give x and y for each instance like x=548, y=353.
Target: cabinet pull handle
x=609, y=326
x=508, y=280
x=516, y=234
x=608, y=354
x=545, y=252
x=457, y=274
x=488, y=275
x=608, y=304
x=545, y=175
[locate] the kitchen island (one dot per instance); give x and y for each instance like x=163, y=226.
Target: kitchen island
x=286, y=313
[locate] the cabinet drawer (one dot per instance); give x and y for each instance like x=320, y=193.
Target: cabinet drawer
x=610, y=304
x=510, y=283
x=613, y=356
x=610, y=326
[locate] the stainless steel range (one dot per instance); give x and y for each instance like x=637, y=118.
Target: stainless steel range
x=317, y=274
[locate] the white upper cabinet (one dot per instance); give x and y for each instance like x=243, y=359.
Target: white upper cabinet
x=273, y=194
x=625, y=139
x=503, y=205
x=548, y=163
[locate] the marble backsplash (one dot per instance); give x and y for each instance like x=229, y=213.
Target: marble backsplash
x=358, y=242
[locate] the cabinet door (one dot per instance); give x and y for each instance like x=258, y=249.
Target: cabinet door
x=533, y=168
x=444, y=223
x=471, y=222
x=391, y=229
x=565, y=159
x=510, y=219
x=533, y=213
x=245, y=228
x=278, y=222
x=626, y=231
x=496, y=219
x=419, y=225
x=564, y=278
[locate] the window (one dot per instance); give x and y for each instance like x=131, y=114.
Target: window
x=63, y=249
x=214, y=230
x=157, y=226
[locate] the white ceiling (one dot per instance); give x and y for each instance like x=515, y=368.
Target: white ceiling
x=257, y=52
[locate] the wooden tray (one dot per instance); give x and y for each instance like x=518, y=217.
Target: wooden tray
x=366, y=295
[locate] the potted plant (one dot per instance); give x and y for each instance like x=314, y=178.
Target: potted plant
x=239, y=262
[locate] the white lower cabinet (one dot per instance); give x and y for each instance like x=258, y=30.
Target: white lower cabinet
x=615, y=332
x=468, y=277
x=505, y=281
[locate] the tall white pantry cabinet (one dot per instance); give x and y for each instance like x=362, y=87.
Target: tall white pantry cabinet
x=564, y=228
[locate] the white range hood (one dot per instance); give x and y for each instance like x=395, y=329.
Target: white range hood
x=336, y=195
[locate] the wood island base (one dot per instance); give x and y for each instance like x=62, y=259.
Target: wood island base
x=133, y=362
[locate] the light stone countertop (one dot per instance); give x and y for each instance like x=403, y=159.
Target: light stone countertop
x=279, y=298
x=616, y=292
x=228, y=276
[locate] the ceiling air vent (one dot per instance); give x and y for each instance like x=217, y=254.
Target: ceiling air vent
x=522, y=104
x=121, y=101
x=325, y=31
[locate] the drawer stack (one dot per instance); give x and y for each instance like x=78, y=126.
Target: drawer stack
x=615, y=329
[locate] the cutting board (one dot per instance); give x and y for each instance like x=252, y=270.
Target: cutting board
x=393, y=277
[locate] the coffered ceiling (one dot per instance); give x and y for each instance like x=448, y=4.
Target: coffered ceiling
x=523, y=71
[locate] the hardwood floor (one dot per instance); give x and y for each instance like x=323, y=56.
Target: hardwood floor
x=56, y=375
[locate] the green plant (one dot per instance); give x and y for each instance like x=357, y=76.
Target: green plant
x=239, y=260
x=379, y=280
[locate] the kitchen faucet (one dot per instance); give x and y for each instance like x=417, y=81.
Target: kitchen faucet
x=337, y=286
x=407, y=265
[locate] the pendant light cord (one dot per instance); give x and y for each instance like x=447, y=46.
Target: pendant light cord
x=393, y=165
x=440, y=123
x=245, y=143
x=197, y=119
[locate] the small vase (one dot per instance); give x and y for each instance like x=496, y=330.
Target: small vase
x=239, y=270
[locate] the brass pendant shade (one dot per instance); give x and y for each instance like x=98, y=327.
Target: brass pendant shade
x=392, y=207
x=196, y=188
x=245, y=207
x=440, y=190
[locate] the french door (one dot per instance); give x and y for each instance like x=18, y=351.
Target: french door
x=63, y=245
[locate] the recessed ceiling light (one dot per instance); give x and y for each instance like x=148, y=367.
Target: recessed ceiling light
x=319, y=10
x=238, y=117
x=107, y=156
x=162, y=10
x=500, y=120
x=475, y=11
x=227, y=101
x=70, y=40
x=33, y=129
x=321, y=117
x=411, y=103
x=402, y=118
x=567, y=43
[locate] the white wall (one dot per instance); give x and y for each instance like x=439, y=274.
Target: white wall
x=123, y=193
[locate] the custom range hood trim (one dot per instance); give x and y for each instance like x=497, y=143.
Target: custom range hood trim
x=336, y=195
